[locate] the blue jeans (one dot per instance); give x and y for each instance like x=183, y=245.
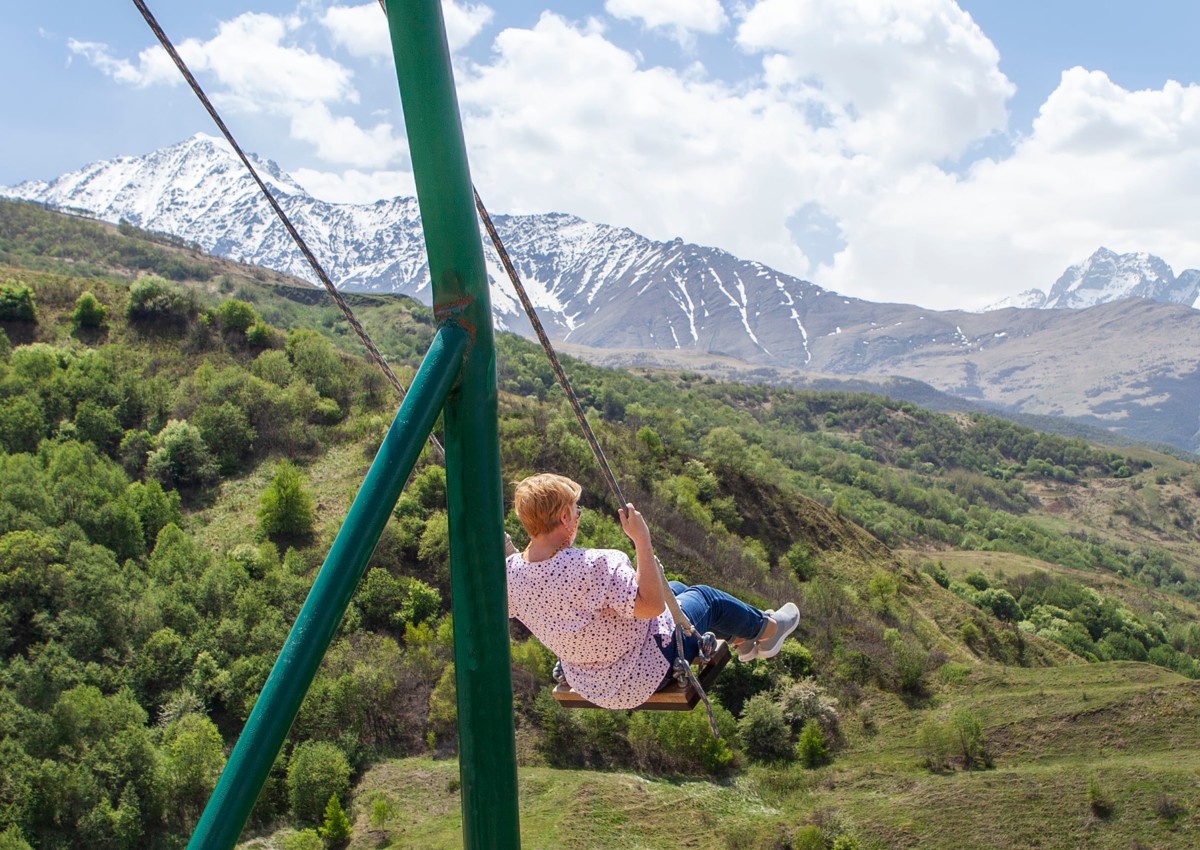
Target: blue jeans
x=712, y=610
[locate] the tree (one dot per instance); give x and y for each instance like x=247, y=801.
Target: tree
x=227, y=433
x=16, y=303
x=89, y=312
x=182, y=458
x=317, y=771
x=336, y=827
x=22, y=424
x=286, y=511
x=195, y=757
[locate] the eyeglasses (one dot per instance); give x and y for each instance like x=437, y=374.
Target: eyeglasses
x=578, y=511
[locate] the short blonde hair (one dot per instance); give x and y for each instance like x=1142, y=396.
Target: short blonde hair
x=540, y=498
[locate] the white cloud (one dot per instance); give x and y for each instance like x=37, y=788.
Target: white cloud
x=153, y=67
x=565, y=120
x=836, y=147
x=354, y=186
x=1103, y=166
x=259, y=71
x=252, y=67
x=340, y=139
x=680, y=17
x=903, y=80
x=363, y=30
x=464, y=21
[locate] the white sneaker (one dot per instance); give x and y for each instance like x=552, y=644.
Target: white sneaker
x=786, y=620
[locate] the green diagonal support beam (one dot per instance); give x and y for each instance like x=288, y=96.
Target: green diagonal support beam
x=487, y=753
x=277, y=705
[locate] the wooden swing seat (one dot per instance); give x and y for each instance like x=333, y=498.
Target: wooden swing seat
x=673, y=697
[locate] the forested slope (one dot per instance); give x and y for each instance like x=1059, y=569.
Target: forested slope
x=181, y=437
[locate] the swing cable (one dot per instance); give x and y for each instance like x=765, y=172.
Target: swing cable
x=683, y=670
x=372, y=351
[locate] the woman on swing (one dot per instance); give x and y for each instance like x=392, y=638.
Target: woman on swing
x=606, y=619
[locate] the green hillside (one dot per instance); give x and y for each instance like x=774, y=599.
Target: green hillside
x=1000, y=639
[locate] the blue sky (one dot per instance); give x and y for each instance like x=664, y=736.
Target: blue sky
x=942, y=153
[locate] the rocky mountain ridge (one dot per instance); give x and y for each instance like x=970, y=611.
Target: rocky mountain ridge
x=1107, y=276
x=1131, y=365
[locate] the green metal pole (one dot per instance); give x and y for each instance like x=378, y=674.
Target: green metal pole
x=487, y=752
x=227, y=809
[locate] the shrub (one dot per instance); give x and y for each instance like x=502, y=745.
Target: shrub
x=237, y=315
x=933, y=745
x=317, y=771
x=795, y=659
x=977, y=580
x=13, y=839
x=155, y=301
x=811, y=746
x=286, y=511
x=966, y=735
x=89, y=312
x=443, y=709
x=181, y=458
x=260, y=335
x=937, y=572
x=16, y=303
x=304, y=839
x=227, y=433
x=806, y=700
x=681, y=741
x=1001, y=604
x=801, y=560
x=763, y=731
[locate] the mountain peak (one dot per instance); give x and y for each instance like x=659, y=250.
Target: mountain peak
x=1108, y=276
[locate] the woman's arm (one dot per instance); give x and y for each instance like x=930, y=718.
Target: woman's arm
x=649, y=601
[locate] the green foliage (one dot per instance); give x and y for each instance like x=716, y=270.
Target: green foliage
x=17, y=303
x=22, y=425
x=285, y=509
x=237, y=315
x=443, y=710
x=681, y=741
x=89, y=312
x=227, y=433
x=193, y=759
x=811, y=746
x=977, y=580
x=763, y=732
x=317, y=770
x=156, y=303
x=303, y=839
x=335, y=827
x=315, y=360
x=181, y=458
x=937, y=572
x=13, y=839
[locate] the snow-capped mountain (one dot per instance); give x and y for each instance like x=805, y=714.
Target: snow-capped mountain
x=593, y=284
x=1108, y=276
x=1133, y=366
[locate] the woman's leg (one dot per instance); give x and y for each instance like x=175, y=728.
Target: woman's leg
x=712, y=610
